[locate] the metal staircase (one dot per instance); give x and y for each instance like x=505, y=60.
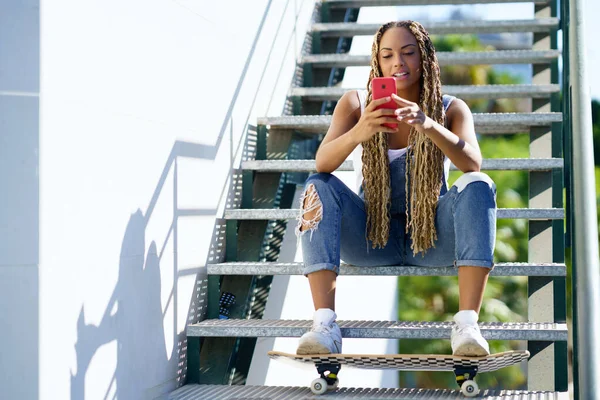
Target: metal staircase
x=220, y=350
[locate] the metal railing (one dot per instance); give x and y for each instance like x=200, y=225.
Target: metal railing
x=581, y=197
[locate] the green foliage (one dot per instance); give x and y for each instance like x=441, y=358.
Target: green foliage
x=475, y=74
x=596, y=128
x=458, y=43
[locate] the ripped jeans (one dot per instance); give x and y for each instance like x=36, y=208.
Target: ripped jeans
x=465, y=223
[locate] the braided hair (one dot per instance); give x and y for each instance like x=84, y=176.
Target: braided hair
x=424, y=159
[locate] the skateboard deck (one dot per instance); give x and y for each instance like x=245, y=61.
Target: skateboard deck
x=465, y=368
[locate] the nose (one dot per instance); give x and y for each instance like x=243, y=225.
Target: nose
x=398, y=61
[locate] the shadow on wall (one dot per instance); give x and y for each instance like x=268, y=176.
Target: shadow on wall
x=134, y=319
x=134, y=316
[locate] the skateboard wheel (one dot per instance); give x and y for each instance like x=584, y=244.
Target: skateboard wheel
x=318, y=386
x=469, y=388
x=334, y=385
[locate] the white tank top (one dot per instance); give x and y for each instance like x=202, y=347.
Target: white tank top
x=392, y=153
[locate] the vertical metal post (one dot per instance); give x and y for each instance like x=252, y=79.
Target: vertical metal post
x=585, y=225
x=568, y=161
x=261, y=143
x=546, y=366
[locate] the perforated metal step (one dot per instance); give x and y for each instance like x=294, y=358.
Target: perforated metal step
x=444, y=27
x=463, y=92
x=382, y=3
x=221, y=392
x=377, y=329
x=490, y=164
x=484, y=123
x=283, y=214
x=344, y=60
x=276, y=268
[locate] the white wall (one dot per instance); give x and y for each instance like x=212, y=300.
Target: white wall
x=127, y=88
x=19, y=195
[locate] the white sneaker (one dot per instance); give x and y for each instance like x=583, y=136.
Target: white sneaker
x=466, y=339
x=324, y=337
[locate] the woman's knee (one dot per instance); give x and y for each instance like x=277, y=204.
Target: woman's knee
x=322, y=178
x=311, y=207
x=468, y=178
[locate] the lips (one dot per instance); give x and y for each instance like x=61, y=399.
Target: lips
x=400, y=76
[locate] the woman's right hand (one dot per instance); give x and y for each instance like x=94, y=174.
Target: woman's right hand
x=371, y=121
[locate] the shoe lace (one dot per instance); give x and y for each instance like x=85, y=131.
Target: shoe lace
x=321, y=327
x=463, y=329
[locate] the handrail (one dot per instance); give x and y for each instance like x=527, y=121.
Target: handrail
x=585, y=230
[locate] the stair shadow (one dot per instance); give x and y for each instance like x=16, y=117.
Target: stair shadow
x=134, y=317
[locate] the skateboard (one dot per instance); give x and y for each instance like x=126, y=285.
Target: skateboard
x=465, y=368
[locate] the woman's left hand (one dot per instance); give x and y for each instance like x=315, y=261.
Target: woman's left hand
x=410, y=113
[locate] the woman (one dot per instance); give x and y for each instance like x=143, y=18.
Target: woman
x=404, y=213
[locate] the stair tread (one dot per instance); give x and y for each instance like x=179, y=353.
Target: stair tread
x=194, y=391
x=444, y=58
x=493, y=164
x=278, y=268
x=546, y=331
x=462, y=91
x=484, y=122
x=383, y=3
x=292, y=213
x=443, y=27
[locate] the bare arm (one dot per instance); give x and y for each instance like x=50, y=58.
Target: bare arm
x=347, y=130
x=459, y=142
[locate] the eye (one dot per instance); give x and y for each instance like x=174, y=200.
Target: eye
x=409, y=54
x=388, y=56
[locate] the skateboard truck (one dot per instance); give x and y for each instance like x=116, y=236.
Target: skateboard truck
x=465, y=377
x=328, y=379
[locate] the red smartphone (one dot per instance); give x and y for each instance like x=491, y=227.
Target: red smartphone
x=384, y=87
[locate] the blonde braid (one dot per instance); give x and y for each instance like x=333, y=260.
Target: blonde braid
x=424, y=159
x=376, y=169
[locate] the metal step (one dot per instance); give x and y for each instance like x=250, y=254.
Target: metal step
x=489, y=164
x=384, y=3
x=491, y=123
x=461, y=91
x=343, y=60
x=377, y=329
x=296, y=268
x=347, y=29
x=224, y=392
x=292, y=213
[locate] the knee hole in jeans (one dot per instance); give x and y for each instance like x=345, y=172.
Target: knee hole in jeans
x=311, y=211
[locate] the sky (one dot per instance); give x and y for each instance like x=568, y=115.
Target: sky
x=505, y=11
